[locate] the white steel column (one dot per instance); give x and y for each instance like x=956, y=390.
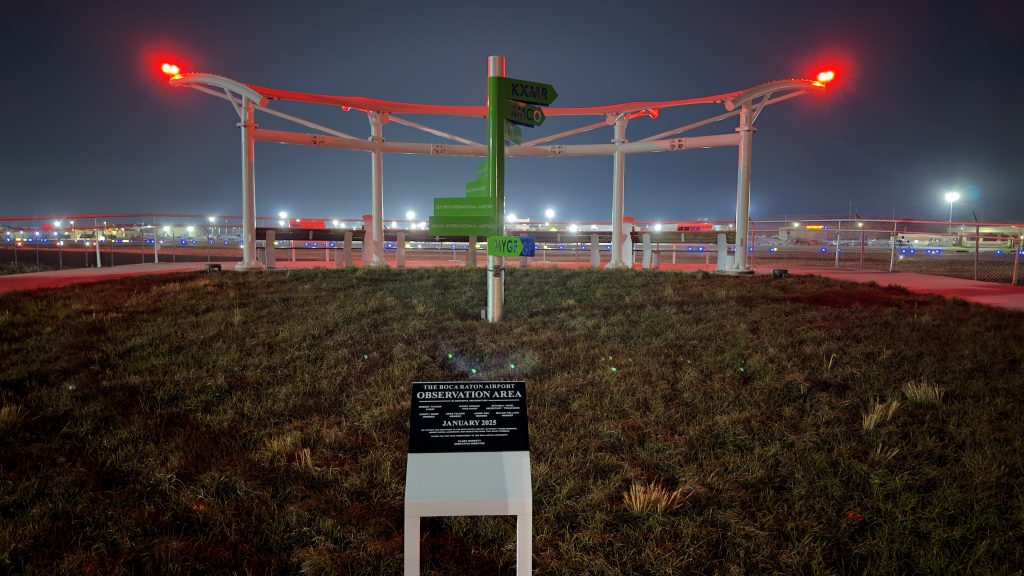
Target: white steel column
x=619, y=259
x=746, y=132
x=377, y=121
x=248, y=125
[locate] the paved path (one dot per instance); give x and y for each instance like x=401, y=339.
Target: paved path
x=1001, y=295
x=54, y=279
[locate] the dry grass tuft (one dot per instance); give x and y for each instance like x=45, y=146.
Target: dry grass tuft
x=643, y=499
x=923, y=393
x=877, y=412
x=884, y=454
x=304, y=459
x=9, y=416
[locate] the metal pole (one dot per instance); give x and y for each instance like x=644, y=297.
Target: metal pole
x=1016, y=258
x=862, y=246
x=156, y=242
x=248, y=126
x=977, y=239
x=496, y=183
x=753, y=243
x=60, y=251
x=892, y=253
x=619, y=259
x=839, y=230
x=96, y=239
x=746, y=132
x=377, y=120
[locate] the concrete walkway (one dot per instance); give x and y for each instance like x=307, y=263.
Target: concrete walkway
x=57, y=278
x=991, y=294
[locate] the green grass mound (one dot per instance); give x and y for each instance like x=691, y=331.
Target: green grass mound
x=680, y=424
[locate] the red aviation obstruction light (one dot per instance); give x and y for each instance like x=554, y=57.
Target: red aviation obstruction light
x=826, y=76
x=171, y=70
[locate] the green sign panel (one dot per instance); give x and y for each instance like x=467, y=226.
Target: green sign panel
x=513, y=133
x=462, y=226
x=477, y=187
x=472, y=215
x=530, y=92
x=459, y=206
x=523, y=114
x=504, y=246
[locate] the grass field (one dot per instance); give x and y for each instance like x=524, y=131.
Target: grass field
x=680, y=424
x=22, y=268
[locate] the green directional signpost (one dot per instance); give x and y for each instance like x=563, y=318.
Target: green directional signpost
x=523, y=114
x=513, y=133
x=511, y=103
x=528, y=92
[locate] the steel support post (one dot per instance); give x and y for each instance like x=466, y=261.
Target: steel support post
x=1016, y=258
x=839, y=232
x=746, y=132
x=377, y=121
x=96, y=240
x=619, y=259
x=496, y=183
x=249, y=260
x=977, y=248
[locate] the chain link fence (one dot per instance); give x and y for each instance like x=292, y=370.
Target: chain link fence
x=989, y=252
x=971, y=250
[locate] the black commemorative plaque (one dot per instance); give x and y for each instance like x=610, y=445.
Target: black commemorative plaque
x=468, y=417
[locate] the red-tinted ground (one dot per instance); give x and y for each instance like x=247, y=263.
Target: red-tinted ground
x=1000, y=295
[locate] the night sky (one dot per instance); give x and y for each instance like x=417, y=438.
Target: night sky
x=928, y=99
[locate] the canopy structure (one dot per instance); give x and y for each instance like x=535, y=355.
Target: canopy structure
x=247, y=99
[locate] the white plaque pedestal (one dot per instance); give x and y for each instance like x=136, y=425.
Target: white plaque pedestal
x=469, y=484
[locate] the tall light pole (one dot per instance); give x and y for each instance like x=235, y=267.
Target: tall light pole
x=60, y=245
x=209, y=234
x=951, y=197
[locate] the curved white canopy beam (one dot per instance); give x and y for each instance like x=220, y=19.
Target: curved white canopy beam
x=750, y=94
x=223, y=82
